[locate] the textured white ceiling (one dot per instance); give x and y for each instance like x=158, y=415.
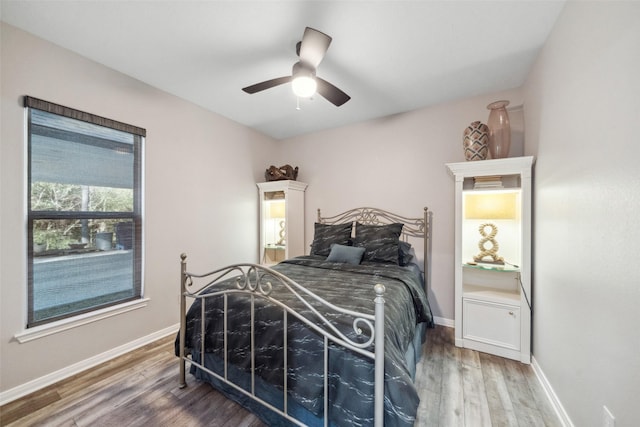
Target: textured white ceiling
x=389, y=56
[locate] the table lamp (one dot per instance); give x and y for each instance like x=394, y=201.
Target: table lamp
x=488, y=206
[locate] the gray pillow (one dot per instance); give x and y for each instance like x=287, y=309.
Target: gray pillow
x=380, y=241
x=345, y=254
x=325, y=235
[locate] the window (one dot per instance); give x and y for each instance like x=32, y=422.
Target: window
x=84, y=217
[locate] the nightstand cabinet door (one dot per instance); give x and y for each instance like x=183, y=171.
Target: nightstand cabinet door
x=491, y=323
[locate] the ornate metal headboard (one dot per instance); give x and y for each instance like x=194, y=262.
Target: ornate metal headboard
x=413, y=227
x=416, y=227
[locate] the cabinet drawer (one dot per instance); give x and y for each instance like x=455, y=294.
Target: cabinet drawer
x=491, y=323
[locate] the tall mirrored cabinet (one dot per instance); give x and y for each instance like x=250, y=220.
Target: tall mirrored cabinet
x=281, y=220
x=493, y=256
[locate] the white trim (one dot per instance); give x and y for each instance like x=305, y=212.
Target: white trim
x=52, y=378
x=442, y=321
x=553, y=398
x=143, y=219
x=25, y=213
x=496, y=348
x=82, y=319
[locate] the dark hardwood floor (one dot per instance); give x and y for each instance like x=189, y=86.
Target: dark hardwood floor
x=458, y=387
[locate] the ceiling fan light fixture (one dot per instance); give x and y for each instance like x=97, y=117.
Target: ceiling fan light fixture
x=304, y=86
x=304, y=83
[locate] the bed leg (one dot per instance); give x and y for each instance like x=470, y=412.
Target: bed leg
x=379, y=361
x=183, y=326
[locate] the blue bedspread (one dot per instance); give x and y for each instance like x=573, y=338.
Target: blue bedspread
x=351, y=375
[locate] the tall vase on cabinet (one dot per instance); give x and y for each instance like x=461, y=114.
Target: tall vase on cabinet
x=475, y=141
x=499, y=130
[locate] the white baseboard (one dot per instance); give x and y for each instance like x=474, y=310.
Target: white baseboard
x=52, y=378
x=553, y=398
x=443, y=321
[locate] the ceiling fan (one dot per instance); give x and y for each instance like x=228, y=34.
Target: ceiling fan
x=304, y=81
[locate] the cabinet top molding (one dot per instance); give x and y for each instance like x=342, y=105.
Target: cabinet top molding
x=281, y=185
x=507, y=166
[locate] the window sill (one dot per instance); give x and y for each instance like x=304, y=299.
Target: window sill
x=73, y=322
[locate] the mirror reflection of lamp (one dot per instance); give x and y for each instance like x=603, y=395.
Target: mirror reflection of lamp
x=487, y=206
x=277, y=212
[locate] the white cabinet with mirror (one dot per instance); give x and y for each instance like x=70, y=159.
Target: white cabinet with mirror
x=281, y=220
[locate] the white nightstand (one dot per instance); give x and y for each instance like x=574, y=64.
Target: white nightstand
x=493, y=256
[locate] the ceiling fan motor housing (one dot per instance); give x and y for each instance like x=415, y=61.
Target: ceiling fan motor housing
x=302, y=69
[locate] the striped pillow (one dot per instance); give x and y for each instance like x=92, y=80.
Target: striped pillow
x=380, y=241
x=325, y=235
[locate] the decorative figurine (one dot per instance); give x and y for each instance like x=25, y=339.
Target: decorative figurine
x=282, y=173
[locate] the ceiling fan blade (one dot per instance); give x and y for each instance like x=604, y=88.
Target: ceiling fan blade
x=331, y=93
x=313, y=46
x=267, y=84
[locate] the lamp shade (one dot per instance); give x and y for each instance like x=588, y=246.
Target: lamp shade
x=276, y=209
x=490, y=205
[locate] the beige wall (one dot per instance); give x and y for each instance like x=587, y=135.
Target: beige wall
x=582, y=109
x=397, y=163
x=200, y=198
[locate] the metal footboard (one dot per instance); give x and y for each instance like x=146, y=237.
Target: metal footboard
x=257, y=281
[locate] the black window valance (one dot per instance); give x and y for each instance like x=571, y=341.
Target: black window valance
x=72, y=113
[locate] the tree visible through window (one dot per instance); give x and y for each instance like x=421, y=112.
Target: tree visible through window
x=84, y=212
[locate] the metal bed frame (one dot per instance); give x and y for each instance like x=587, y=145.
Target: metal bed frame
x=255, y=281
x=413, y=227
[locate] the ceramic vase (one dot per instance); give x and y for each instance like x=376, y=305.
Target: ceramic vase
x=499, y=130
x=475, y=141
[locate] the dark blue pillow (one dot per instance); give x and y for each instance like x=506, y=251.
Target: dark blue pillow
x=345, y=254
x=405, y=254
x=325, y=235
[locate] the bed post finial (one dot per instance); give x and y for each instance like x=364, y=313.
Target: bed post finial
x=319, y=217
x=379, y=288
